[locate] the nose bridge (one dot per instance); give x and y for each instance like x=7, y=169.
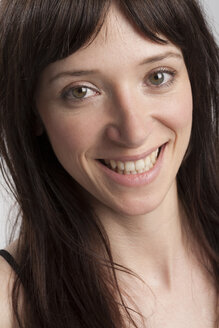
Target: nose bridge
x=130, y=125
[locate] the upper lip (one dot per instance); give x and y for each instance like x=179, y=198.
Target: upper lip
x=134, y=157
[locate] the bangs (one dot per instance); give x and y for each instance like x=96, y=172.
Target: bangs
x=51, y=30
x=56, y=29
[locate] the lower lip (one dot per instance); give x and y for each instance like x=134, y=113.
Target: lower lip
x=133, y=180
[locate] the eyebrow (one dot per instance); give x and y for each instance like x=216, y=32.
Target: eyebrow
x=160, y=57
x=148, y=60
x=72, y=73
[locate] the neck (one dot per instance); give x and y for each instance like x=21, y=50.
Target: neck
x=153, y=245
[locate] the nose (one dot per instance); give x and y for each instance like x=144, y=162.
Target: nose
x=131, y=122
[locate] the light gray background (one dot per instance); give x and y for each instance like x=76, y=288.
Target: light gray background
x=212, y=11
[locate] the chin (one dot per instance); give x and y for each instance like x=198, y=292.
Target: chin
x=137, y=207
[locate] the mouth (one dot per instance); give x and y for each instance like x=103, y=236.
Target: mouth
x=133, y=167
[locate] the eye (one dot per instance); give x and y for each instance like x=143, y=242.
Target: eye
x=161, y=77
x=78, y=93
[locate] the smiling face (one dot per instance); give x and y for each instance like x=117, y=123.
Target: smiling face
x=126, y=101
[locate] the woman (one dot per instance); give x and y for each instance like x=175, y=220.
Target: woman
x=109, y=128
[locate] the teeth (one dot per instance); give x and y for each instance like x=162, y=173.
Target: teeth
x=153, y=157
x=120, y=171
x=130, y=166
x=113, y=164
x=120, y=165
x=139, y=165
x=147, y=161
x=134, y=167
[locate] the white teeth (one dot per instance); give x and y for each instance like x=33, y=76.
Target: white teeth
x=134, y=167
x=154, y=156
x=130, y=166
x=153, y=160
x=147, y=161
x=147, y=168
x=120, y=165
x=139, y=165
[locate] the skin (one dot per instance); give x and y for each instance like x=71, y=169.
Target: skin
x=124, y=114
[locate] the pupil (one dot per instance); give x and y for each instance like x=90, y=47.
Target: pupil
x=79, y=92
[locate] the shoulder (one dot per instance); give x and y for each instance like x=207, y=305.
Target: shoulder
x=7, y=279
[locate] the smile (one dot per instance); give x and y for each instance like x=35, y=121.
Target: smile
x=135, y=171
x=133, y=167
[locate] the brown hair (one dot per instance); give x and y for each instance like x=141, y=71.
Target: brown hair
x=65, y=281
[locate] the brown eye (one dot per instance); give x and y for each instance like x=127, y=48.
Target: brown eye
x=157, y=78
x=161, y=77
x=79, y=92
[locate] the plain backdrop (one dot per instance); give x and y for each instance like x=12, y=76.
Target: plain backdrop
x=212, y=11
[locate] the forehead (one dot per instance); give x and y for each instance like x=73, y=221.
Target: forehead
x=118, y=42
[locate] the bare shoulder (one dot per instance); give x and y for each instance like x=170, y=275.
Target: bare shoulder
x=7, y=278
x=11, y=248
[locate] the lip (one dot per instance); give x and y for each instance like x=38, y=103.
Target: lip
x=135, y=157
x=134, y=180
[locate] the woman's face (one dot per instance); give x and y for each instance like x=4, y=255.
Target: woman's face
x=120, y=99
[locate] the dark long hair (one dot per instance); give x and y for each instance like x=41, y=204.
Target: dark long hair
x=67, y=282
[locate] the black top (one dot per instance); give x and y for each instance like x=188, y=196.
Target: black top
x=11, y=261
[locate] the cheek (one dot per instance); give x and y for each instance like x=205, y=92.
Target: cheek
x=70, y=135
x=177, y=112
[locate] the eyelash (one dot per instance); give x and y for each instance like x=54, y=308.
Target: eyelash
x=172, y=73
